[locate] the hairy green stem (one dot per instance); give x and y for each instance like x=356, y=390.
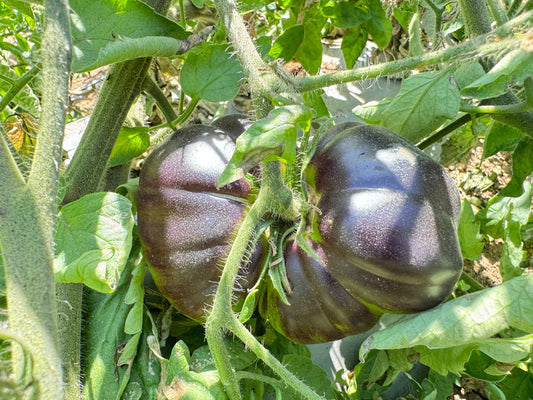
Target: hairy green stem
x=438, y=14
x=469, y=49
x=473, y=48
x=260, y=351
x=264, y=83
x=43, y=180
x=122, y=86
x=221, y=313
x=27, y=214
x=83, y=176
x=275, y=383
x=498, y=12
x=69, y=302
x=478, y=23
x=17, y=86
x=476, y=16
x=274, y=198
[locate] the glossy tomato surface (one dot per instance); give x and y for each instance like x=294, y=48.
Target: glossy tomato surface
x=387, y=231
x=185, y=223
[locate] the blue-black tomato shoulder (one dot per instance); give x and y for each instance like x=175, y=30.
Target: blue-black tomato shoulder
x=388, y=227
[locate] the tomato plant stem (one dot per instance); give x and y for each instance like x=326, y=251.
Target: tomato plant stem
x=497, y=109
x=274, y=199
x=476, y=16
x=260, y=351
x=151, y=87
x=122, y=86
x=473, y=48
x=27, y=217
x=263, y=82
x=498, y=11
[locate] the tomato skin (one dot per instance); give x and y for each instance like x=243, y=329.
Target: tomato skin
x=320, y=310
x=185, y=223
x=388, y=228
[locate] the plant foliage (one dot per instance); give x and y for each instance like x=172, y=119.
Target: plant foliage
x=459, y=91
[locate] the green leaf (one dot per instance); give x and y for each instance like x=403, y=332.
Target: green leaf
x=288, y=43
x=93, y=240
x=378, y=25
x=25, y=98
x=107, y=31
x=303, y=42
x=404, y=13
x=469, y=237
x=129, y=191
x=135, y=296
x=352, y=45
x=248, y=306
x=512, y=252
x=310, y=52
x=240, y=357
x=345, y=14
x=518, y=386
x=522, y=168
x=186, y=384
x=425, y=101
x=211, y=73
x=514, y=67
x=501, y=137
x=493, y=392
x=416, y=48
x=108, y=350
x=315, y=101
x=500, y=210
x=311, y=374
x=468, y=73
x=272, y=138
x=446, y=335
x=278, y=278
x=22, y=6
x=478, y=366
x=372, y=111
x=462, y=140
x=146, y=367
x=131, y=143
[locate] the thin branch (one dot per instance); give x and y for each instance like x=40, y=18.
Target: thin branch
x=476, y=16
x=439, y=135
x=56, y=59
x=497, y=109
x=475, y=47
x=264, y=83
x=498, y=12
x=161, y=100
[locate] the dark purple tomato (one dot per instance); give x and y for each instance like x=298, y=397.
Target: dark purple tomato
x=387, y=232
x=185, y=223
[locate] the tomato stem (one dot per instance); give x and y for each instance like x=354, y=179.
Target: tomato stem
x=477, y=46
x=221, y=316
